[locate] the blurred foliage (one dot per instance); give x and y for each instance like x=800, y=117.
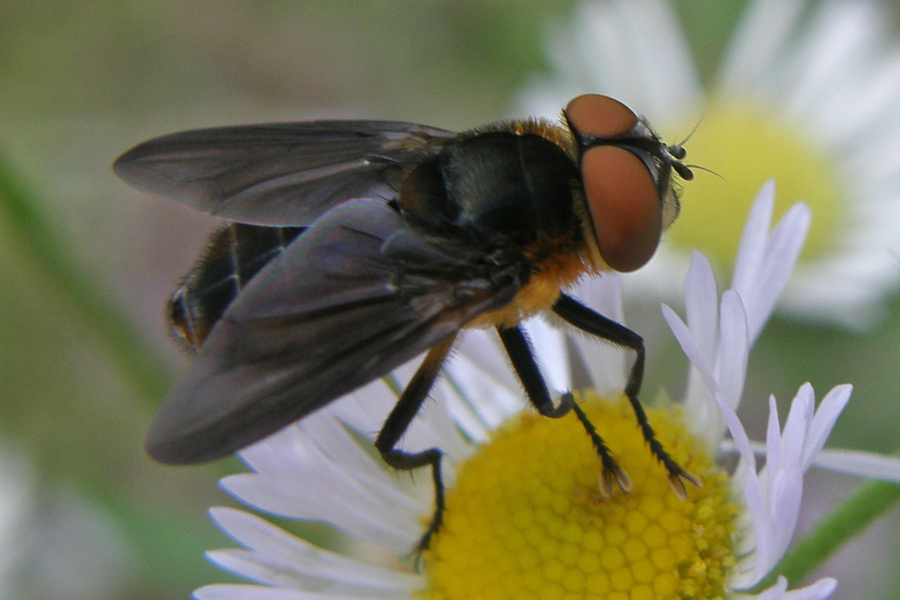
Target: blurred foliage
x=81, y=82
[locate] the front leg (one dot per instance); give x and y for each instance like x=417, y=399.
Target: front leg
x=605, y=328
x=522, y=358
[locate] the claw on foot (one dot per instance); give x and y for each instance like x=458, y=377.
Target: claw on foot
x=613, y=474
x=677, y=479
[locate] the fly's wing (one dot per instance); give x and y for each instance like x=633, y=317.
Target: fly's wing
x=352, y=298
x=285, y=174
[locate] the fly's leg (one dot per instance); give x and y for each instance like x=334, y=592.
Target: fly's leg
x=398, y=421
x=522, y=357
x=596, y=324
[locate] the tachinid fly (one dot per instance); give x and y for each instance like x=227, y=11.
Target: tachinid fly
x=354, y=246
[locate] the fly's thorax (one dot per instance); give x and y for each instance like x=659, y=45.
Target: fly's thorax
x=494, y=187
x=508, y=191
x=590, y=262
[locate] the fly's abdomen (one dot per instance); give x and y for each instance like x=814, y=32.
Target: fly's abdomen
x=235, y=254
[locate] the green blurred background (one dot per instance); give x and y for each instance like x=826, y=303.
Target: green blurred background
x=80, y=82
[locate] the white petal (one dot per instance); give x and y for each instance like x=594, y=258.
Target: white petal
x=296, y=479
x=488, y=386
x=776, y=592
x=762, y=32
x=327, y=433
x=437, y=427
x=295, y=450
x=690, y=347
x=784, y=500
x=796, y=427
x=826, y=415
x=364, y=409
x=752, y=246
x=484, y=349
x=701, y=303
x=701, y=308
x=764, y=262
x=461, y=406
x=661, y=59
x=633, y=50
x=861, y=464
x=255, y=592
x=605, y=362
x=278, y=558
x=835, y=42
x=549, y=344
x=773, y=437
x=849, y=462
x=734, y=349
x=603, y=294
x=782, y=251
x=763, y=529
x=819, y=590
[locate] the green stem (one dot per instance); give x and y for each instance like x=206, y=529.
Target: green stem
x=850, y=517
x=141, y=363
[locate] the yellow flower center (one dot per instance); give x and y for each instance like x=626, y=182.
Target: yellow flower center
x=747, y=146
x=526, y=519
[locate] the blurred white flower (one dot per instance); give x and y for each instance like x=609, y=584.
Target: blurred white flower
x=807, y=93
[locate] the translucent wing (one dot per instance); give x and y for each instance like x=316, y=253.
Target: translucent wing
x=352, y=298
x=281, y=173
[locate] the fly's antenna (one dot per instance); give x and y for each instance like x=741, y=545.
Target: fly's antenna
x=692, y=131
x=678, y=152
x=699, y=168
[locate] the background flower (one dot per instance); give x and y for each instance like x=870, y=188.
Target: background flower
x=807, y=93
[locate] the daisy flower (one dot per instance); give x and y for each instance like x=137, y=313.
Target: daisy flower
x=525, y=516
x=807, y=93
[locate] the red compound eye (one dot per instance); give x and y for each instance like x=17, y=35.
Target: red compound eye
x=600, y=116
x=622, y=199
x=624, y=206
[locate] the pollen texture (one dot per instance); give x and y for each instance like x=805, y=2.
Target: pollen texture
x=526, y=519
x=746, y=146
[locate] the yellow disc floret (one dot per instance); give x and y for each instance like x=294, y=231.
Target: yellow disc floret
x=526, y=519
x=746, y=146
